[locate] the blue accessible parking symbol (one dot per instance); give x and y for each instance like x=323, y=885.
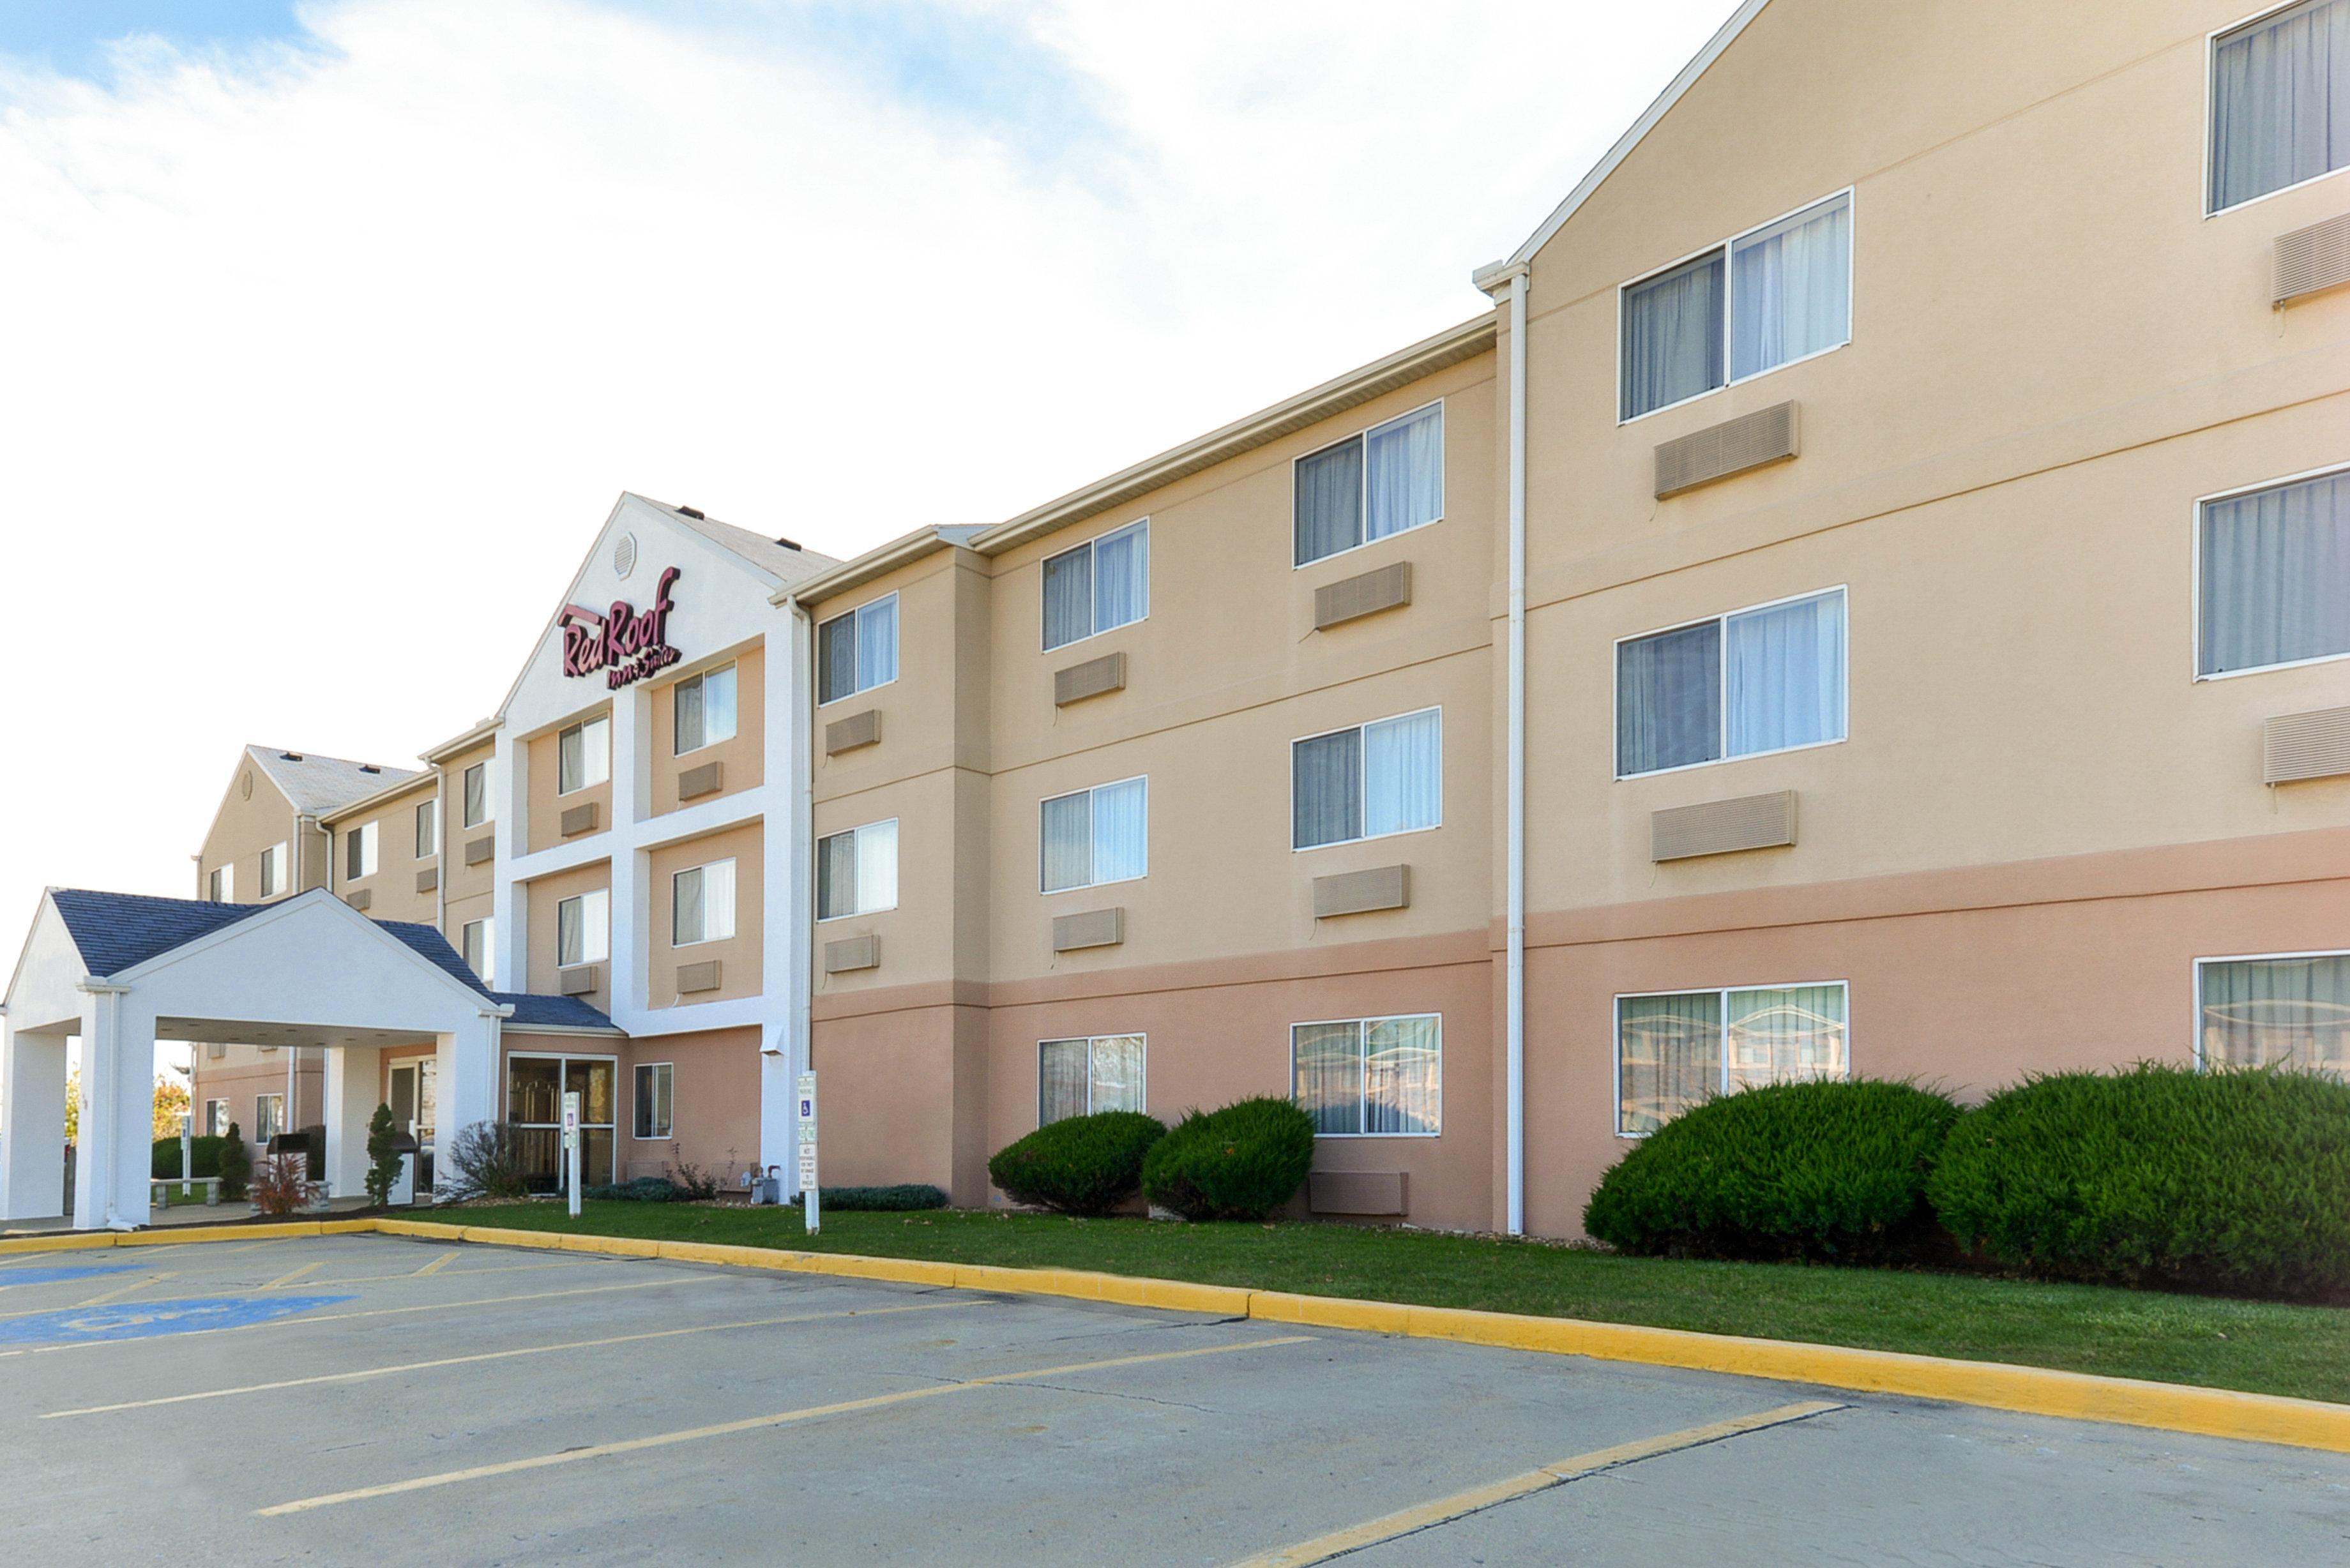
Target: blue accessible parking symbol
x=149, y=1320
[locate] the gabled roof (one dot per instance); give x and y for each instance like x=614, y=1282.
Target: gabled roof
x=316, y=784
x=786, y=563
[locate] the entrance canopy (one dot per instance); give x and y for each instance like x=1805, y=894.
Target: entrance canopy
x=120, y=971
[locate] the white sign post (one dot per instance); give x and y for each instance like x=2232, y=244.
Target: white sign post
x=809, y=1206
x=187, y=1152
x=571, y=1146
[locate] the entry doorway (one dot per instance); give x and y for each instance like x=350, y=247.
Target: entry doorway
x=536, y=1086
x=415, y=1101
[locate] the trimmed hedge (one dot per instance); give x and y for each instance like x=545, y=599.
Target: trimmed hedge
x=204, y=1156
x=904, y=1197
x=638, y=1189
x=1079, y=1165
x=2230, y=1181
x=1825, y=1170
x=1241, y=1162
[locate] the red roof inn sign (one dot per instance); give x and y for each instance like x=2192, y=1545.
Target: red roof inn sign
x=625, y=646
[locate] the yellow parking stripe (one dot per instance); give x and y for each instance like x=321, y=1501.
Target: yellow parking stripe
x=504, y=1355
x=438, y=1264
x=291, y=1275
x=755, y=1423
x=134, y=1288
x=1445, y=1510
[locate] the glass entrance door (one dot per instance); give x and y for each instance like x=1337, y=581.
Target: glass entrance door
x=535, y=1089
x=415, y=1099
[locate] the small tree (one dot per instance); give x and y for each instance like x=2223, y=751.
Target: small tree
x=171, y=1104
x=282, y=1185
x=383, y=1158
x=235, y=1164
x=484, y=1160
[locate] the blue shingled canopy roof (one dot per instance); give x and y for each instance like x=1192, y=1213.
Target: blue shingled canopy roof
x=116, y=932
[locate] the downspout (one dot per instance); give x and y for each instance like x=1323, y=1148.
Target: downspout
x=1515, y=1022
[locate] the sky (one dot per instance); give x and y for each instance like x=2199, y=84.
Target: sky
x=330, y=330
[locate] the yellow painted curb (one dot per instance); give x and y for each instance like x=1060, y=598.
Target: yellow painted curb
x=431, y=1230
x=284, y=1230
x=9, y=1244
x=616, y=1246
x=491, y=1235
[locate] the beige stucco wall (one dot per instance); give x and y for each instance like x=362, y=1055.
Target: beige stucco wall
x=253, y=815
x=738, y=957
x=545, y=805
x=542, y=897
x=393, y=893
x=742, y=761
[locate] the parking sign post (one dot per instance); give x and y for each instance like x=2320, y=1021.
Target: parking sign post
x=808, y=1202
x=571, y=1146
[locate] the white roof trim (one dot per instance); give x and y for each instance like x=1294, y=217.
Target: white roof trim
x=1494, y=272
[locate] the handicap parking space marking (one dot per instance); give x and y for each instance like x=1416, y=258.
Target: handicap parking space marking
x=149, y=1320
x=10, y=1278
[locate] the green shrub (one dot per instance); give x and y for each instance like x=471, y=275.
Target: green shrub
x=235, y=1164
x=2230, y=1181
x=1079, y=1165
x=384, y=1160
x=1820, y=1170
x=1239, y=1163
x=641, y=1189
x=203, y=1157
x=910, y=1195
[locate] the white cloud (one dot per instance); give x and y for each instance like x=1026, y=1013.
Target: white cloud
x=320, y=364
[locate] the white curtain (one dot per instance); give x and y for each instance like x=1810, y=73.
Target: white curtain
x=1672, y=336
x=1326, y=789
x=2281, y=102
x=1117, y=1073
x=1778, y=1036
x=1329, y=500
x=1403, y=1078
x=1327, y=1074
x=1668, y=1056
x=835, y=650
x=571, y=946
x=1121, y=573
x=1069, y=597
x=877, y=643
x=1791, y=288
x=718, y=705
x=1066, y=824
x=595, y=925
x=1787, y=675
x=2291, y=1013
x=2276, y=575
x=596, y=750
x=1121, y=831
x=687, y=909
x=1404, y=478
x=718, y=901
x=1061, y=1078
x=1669, y=700
x=1403, y=774
x=877, y=866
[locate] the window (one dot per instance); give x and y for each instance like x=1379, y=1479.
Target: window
x=1366, y=783
x=1382, y=482
x=656, y=1100
x=1768, y=298
x=220, y=884
x=477, y=794
x=1103, y=583
x=2274, y=576
x=701, y=904
x=1770, y=678
x=582, y=929
x=583, y=755
x=1674, y=1051
x=1098, y=834
x=272, y=871
x=1370, y=1078
x=2287, y=1012
x=268, y=1116
x=360, y=852
x=857, y=871
x=857, y=652
x=1078, y=1077
x=479, y=948
x=706, y=709
x=216, y=1118
x=2279, y=102
x=428, y=829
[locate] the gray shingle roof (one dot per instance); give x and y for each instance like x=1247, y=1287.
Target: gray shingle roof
x=779, y=561
x=316, y=784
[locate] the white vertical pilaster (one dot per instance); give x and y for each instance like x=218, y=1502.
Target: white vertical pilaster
x=510, y=796
x=354, y=1078
x=783, y=956
x=631, y=792
x=32, y=1124
x=468, y=1078
x=117, y=1110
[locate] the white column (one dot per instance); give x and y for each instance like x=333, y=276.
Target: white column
x=509, y=798
x=469, y=1080
x=783, y=968
x=631, y=790
x=117, y=1110
x=32, y=1124
x=354, y=1079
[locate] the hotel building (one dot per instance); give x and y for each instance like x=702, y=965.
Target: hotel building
x=1869, y=594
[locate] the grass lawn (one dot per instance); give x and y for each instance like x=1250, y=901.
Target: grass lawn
x=2261, y=1346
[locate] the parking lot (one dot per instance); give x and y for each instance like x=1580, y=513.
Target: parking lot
x=372, y=1398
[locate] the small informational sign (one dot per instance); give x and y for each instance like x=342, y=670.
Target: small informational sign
x=808, y=1183
x=571, y=1147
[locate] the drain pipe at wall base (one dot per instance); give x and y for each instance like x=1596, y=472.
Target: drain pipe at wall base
x=1515, y=996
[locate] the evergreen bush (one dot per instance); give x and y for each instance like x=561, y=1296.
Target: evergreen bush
x=1241, y=1162
x=905, y=1196
x=203, y=1157
x=1079, y=1165
x=233, y=1164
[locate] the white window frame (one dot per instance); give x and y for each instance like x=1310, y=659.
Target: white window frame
x=2212, y=106
x=636, y=1100
x=278, y=1098
x=488, y=925
x=219, y=883
x=1091, y=1042
x=583, y=726
x=862, y=910
x=489, y=800
x=1726, y=246
x=1723, y=996
x=1362, y=785
x=708, y=740
x=898, y=630
x=1141, y=525
x=732, y=911
x=272, y=860
x=2195, y=575
x=1443, y=471
x=580, y=897
x=368, y=836
x=1142, y=779
x=1363, y=1026
x=1615, y=690
x=2195, y=1018
x=221, y=1119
